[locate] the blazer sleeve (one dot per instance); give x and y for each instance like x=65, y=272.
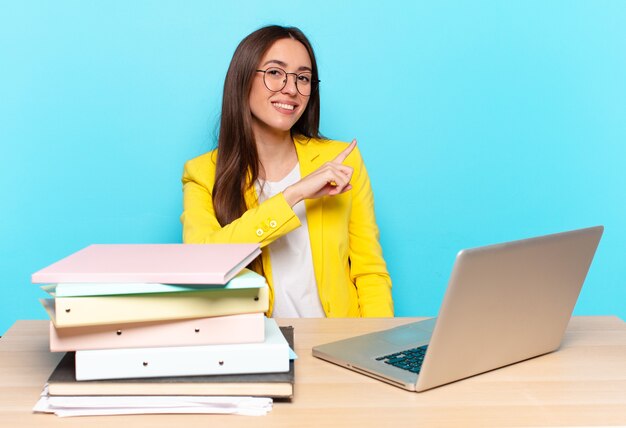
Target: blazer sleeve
x=368, y=269
x=260, y=224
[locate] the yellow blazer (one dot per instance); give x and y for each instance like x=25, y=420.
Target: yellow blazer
x=350, y=271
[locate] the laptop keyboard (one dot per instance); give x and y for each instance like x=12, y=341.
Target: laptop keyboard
x=410, y=359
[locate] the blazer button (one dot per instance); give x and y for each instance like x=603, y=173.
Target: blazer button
x=259, y=232
x=273, y=224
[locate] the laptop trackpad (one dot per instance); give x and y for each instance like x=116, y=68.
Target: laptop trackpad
x=411, y=334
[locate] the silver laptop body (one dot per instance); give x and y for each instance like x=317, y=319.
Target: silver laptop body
x=505, y=303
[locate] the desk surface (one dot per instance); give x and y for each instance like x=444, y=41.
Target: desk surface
x=584, y=383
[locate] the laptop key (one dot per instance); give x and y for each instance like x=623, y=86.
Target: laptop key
x=410, y=360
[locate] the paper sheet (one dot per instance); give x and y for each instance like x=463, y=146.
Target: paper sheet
x=128, y=405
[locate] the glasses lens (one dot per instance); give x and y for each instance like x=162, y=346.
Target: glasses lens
x=304, y=81
x=275, y=79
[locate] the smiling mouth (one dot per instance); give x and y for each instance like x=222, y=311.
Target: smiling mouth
x=284, y=106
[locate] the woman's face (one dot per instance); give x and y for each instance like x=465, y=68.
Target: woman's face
x=279, y=111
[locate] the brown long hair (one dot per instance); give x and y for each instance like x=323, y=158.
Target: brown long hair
x=237, y=159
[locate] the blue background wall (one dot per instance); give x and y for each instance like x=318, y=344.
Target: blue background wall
x=479, y=121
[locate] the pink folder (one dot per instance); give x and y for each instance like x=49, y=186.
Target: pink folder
x=151, y=263
x=243, y=328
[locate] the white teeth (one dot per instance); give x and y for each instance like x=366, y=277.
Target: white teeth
x=285, y=106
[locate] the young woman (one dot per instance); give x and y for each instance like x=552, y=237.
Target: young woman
x=275, y=181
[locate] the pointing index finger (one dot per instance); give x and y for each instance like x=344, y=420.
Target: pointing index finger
x=344, y=154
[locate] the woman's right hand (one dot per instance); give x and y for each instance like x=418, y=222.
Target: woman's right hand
x=332, y=178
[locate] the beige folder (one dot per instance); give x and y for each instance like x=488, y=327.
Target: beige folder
x=96, y=310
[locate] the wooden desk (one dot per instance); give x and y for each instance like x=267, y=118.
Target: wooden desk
x=584, y=383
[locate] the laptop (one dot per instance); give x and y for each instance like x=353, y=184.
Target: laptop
x=505, y=303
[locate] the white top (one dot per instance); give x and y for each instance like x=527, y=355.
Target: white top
x=295, y=288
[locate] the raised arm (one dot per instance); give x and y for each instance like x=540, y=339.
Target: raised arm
x=261, y=224
x=332, y=178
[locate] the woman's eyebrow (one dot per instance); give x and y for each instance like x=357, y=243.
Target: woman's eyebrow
x=284, y=64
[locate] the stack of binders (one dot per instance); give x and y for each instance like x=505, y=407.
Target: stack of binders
x=164, y=319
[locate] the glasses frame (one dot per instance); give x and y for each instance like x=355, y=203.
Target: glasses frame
x=314, y=82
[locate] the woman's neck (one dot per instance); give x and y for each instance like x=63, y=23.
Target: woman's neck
x=277, y=154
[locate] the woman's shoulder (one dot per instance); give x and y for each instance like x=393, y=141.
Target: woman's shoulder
x=319, y=142
x=206, y=160
x=328, y=150
x=202, y=166
x=324, y=146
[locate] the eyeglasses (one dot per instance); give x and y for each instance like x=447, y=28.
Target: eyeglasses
x=275, y=80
